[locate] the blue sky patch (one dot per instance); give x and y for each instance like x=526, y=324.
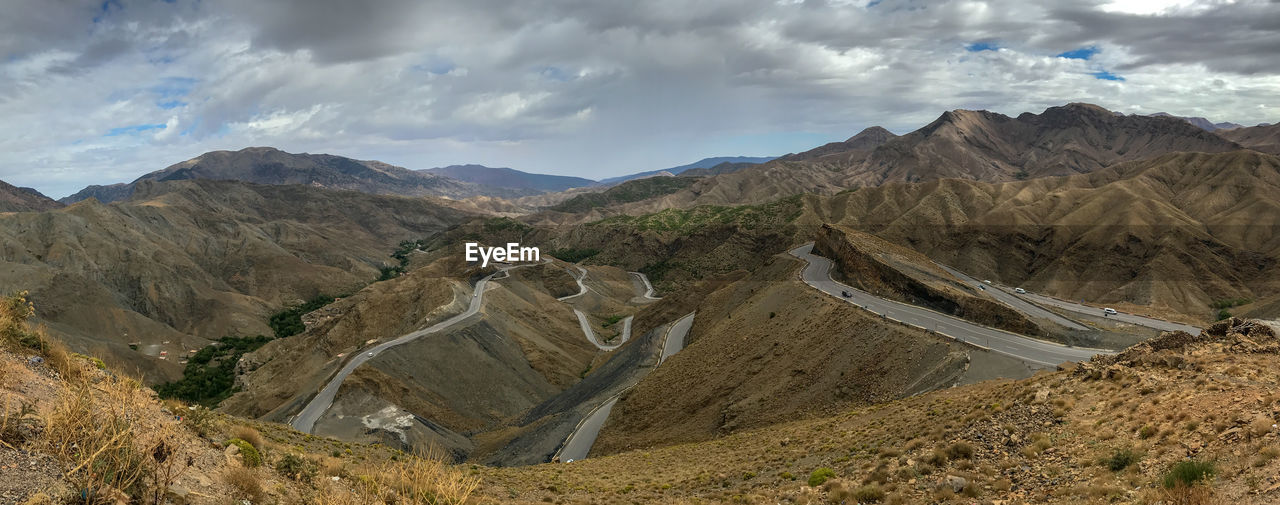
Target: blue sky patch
x=131, y=130
x=1083, y=53
x=435, y=65
x=1106, y=76
x=981, y=46
x=106, y=8
x=174, y=87
x=171, y=104
x=554, y=73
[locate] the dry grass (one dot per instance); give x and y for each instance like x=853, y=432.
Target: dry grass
x=96, y=440
x=109, y=440
x=15, y=414
x=251, y=435
x=414, y=481
x=244, y=484
x=1199, y=494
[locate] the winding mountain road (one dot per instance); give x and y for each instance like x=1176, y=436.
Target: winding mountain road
x=817, y=274
x=1149, y=322
x=305, y=420
x=1012, y=300
x=591, y=334
x=648, y=294
x=579, y=443
x=582, y=288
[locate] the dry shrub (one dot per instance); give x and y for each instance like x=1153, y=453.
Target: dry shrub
x=95, y=440
x=244, y=483
x=1181, y=494
x=16, y=415
x=39, y=499
x=166, y=460
x=111, y=443
x=251, y=435
x=16, y=333
x=1260, y=426
x=411, y=481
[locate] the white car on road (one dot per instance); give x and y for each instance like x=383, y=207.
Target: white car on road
x=1109, y=311
x=1020, y=291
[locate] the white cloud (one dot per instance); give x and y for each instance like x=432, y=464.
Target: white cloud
x=593, y=89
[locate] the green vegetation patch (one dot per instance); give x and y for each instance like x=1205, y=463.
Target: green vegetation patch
x=209, y=376
x=820, y=476
x=627, y=192
x=1189, y=473
x=685, y=221
x=1227, y=303
x=1121, y=459
x=252, y=457
x=288, y=322
x=501, y=224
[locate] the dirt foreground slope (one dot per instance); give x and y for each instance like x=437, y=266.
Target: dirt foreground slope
x=1179, y=409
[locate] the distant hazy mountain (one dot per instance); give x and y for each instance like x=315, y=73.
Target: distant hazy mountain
x=1203, y=123
x=16, y=199
x=499, y=177
x=1264, y=137
x=267, y=165
x=702, y=163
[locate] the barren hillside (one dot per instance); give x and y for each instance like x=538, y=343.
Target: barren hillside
x=188, y=261
x=267, y=165
x=769, y=349
x=1178, y=419
x=15, y=199
x=1262, y=138
x=1174, y=233
x=974, y=145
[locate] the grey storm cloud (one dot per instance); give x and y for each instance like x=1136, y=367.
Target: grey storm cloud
x=100, y=92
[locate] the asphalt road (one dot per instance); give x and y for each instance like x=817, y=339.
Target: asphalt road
x=674, y=342
x=582, y=288
x=591, y=335
x=305, y=420
x=817, y=274
x=1013, y=300
x=579, y=443
x=648, y=287
x=1149, y=322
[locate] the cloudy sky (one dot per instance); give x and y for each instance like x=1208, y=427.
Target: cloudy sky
x=98, y=92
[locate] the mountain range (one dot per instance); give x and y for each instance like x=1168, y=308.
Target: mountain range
x=1203, y=123
x=960, y=144
x=702, y=163
x=1265, y=138
x=266, y=165
x=509, y=178
x=1147, y=214
x=16, y=199
x=190, y=261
